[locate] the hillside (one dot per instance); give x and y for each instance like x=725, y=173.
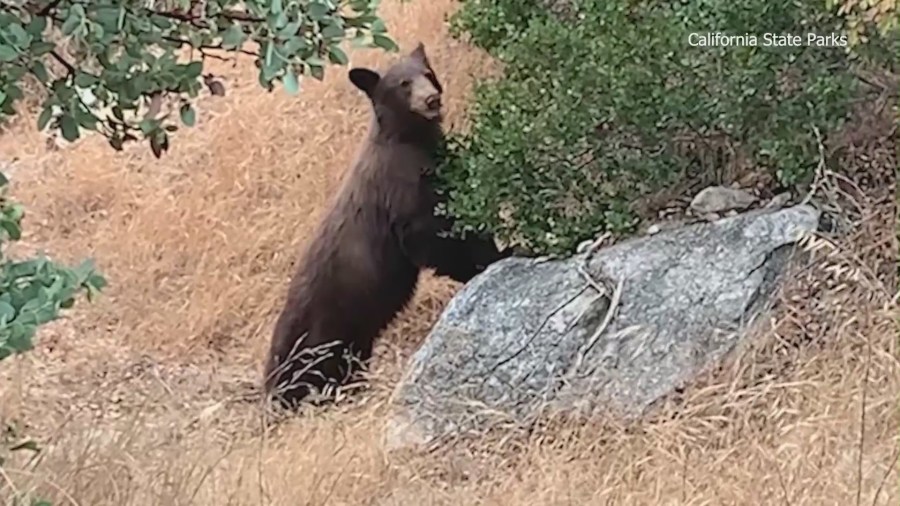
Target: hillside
x=147, y=396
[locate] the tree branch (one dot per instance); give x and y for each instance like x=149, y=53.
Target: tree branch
x=70, y=69
x=49, y=7
x=193, y=19
x=207, y=46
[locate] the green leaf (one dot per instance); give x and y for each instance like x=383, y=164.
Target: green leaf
x=385, y=43
x=37, y=26
x=337, y=56
x=45, y=117
x=108, y=16
x=315, y=61
x=193, y=70
x=318, y=11
x=263, y=81
x=20, y=336
x=40, y=71
x=7, y=312
x=7, y=53
x=85, y=268
x=333, y=31
x=85, y=80
x=289, y=30
x=45, y=314
x=14, y=73
x=188, y=115
x=378, y=26
x=85, y=118
x=159, y=143
x=233, y=37
x=317, y=71
x=19, y=35
x=275, y=7
x=12, y=229
x=281, y=20
x=96, y=282
x=161, y=22
x=72, y=23
x=290, y=82
x=69, y=128
x=14, y=211
x=98, y=30
x=41, y=48
x=360, y=21
x=295, y=44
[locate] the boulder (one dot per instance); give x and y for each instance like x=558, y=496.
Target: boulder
x=614, y=330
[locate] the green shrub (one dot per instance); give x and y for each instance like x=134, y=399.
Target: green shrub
x=596, y=111
x=33, y=291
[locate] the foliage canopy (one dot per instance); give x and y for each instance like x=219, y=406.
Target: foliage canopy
x=110, y=65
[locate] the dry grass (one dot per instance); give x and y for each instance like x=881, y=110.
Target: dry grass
x=141, y=397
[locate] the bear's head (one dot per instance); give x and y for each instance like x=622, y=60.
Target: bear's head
x=408, y=91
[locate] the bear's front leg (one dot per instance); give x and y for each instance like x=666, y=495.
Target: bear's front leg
x=426, y=244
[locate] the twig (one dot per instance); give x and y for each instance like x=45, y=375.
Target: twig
x=613, y=305
x=602, y=291
x=199, y=22
x=820, y=169
x=69, y=67
x=203, y=47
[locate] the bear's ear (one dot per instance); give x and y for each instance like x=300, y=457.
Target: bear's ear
x=419, y=53
x=365, y=79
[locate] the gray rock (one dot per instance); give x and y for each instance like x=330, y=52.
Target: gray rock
x=720, y=199
x=525, y=336
x=779, y=201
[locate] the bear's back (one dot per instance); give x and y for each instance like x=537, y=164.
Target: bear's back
x=355, y=259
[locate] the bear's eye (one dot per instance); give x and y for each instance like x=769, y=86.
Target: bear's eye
x=405, y=83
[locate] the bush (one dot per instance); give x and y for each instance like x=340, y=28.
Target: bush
x=612, y=104
x=33, y=291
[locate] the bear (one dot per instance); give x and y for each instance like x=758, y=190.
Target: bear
x=362, y=265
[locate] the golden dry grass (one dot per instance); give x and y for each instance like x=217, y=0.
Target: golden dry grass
x=140, y=398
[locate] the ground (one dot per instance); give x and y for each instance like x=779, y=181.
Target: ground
x=148, y=395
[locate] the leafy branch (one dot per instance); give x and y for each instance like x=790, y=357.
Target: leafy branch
x=112, y=65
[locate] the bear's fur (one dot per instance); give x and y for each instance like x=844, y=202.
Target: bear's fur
x=362, y=266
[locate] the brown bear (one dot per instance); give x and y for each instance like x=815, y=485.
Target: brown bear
x=362, y=266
